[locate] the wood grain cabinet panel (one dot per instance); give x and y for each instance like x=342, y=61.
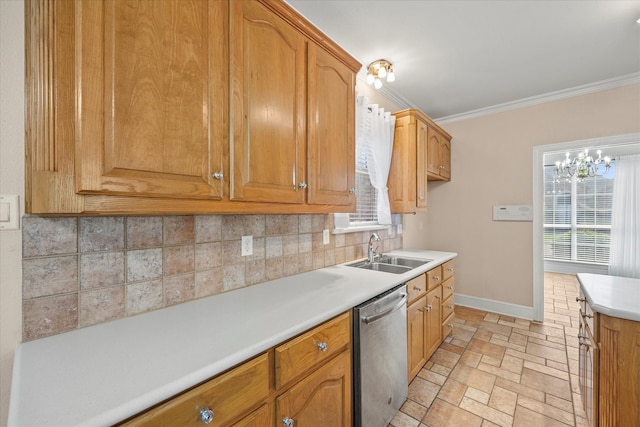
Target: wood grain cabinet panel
x=434, y=320
x=331, y=136
x=297, y=356
x=421, y=151
x=151, y=80
x=324, y=398
x=185, y=106
x=229, y=396
x=416, y=336
x=268, y=106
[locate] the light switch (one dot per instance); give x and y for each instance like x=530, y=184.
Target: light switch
x=9, y=212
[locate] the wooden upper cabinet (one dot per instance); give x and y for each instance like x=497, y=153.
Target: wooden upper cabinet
x=268, y=106
x=331, y=130
x=438, y=154
x=407, y=179
x=151, y=85
x=189, y=106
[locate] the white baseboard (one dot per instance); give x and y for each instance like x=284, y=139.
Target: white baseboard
x=495, y=306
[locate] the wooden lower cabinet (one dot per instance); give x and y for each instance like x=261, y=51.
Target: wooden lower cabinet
x=323, y=398
x=430, y=314
x=609, y=368
x=314, y=387
x=229, y=397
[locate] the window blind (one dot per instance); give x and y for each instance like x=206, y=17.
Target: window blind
x=366, y=212
x=577, y=217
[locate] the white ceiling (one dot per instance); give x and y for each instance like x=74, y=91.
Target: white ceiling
x=453, y=57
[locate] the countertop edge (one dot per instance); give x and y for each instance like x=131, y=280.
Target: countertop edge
x=624, y=303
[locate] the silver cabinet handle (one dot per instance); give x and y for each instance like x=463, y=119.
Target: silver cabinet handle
x=352, y=190
x=415, y=288
x=429, y=307
x=206, y=416
x=322, y=346
x=450, y=307
x=302, y=185
x=450, y=325
x=436, y=277
x=421, y=197
x=287, y=422
x=450, y=287
x=217, y=175
x=450, y=269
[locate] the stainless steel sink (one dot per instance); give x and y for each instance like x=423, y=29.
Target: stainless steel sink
x=403, y=261
x=379, y=266
x=390, y=264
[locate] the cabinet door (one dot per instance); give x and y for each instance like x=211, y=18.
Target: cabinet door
x=421, y=159
x=321, y=399
x=261, y=417
x=402, y=176
x=331, y=130
x=433, y=152
x=445, y=158
x=416, y=336
x=151, y=89
x=268, y=106
x=434, y=322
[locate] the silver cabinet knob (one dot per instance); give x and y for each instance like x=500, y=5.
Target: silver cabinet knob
x=415, y=288
x=421, y=197
x=450, y=269
x=450, y=325
x=302, y=185
x=287, y=422
x=450, y=307
x=450, y=287
x=206, y=416
x=322, y=346
x=352, y=190
x=217, y=175
x=429, y=307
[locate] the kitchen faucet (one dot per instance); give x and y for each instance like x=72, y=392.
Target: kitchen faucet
x=372, y=252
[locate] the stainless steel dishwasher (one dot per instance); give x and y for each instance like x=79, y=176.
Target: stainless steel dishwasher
x=380, y=358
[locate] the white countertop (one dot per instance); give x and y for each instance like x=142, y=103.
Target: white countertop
x=103, y=374
x=612, y=295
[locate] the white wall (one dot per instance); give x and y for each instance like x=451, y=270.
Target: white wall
x=11, y=182
x=492, y=159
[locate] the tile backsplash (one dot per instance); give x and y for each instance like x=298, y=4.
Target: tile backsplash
x=80, y=271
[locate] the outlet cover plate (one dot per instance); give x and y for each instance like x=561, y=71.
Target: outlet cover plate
x=247, y=245
x=325, y=237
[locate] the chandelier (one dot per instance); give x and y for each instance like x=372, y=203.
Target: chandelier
x=378, y=70
x=582, y=166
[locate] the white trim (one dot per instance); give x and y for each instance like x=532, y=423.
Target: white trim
x=493, y=306
x=568, y=267
x=538, y=185
x=613, y=83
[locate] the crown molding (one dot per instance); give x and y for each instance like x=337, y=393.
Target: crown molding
x=613, y=83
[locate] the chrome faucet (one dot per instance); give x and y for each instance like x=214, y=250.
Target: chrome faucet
x=372, y=252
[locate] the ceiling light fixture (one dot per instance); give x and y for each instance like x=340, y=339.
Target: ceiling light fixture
x=582, y=166
x=378, y=70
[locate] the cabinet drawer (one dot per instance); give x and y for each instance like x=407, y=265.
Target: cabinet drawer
x=448, y=288
x=447, y=307
x=447, y=325
x=416, y=288
x=297, y=356
x=448, y=268
x=229, y=396
x=434, y=277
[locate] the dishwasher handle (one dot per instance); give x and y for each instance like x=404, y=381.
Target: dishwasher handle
x=370, y=319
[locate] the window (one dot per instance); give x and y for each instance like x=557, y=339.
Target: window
x=366, y=213
x=577, y=217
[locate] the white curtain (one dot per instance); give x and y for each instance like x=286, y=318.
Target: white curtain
x=374, y=135
x=624, y=258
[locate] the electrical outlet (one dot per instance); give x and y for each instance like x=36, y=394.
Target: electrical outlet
x=399, y=228
x=325, y=237
x=247, y=245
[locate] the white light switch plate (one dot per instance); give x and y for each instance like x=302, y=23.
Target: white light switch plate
x=9, y=212
x=247, y=245
x=399, y=228
x=325, y=237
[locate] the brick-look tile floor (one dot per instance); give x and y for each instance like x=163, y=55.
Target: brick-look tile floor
x=496, y=370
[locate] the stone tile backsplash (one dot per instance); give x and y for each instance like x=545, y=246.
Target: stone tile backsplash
x=81, y=271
